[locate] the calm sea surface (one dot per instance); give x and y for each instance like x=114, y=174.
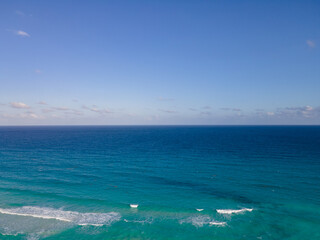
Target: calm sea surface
x=219, y=183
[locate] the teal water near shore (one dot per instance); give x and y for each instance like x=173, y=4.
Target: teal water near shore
x=189, y=182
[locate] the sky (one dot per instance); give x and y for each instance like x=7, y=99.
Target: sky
x=159, y=62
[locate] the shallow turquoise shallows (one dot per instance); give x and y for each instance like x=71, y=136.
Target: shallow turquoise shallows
x=153, y=182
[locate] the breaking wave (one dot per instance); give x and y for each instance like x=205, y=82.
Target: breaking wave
x=233, y=211
x=94, y=219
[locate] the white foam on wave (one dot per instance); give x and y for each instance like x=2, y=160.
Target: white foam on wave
x=10, y=234
x=149, y=221
x=200, y=221
x=217, y=223
x=234, y=211
x=94, y=219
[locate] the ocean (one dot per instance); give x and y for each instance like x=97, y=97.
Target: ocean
x=160, y=182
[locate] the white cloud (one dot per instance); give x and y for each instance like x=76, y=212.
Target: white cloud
x=64, y=110
x=305, y=111
x=22, y=33
x=42, y=103
x=26, y=115
x=311, y=43
x=19, y=105
x=308, y=108
x=32, y=115
x=61, y=108
x=95, y=109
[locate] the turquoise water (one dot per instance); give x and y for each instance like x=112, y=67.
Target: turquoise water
x=79, y=182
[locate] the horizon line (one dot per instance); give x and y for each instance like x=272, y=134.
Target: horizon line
x=165, y=125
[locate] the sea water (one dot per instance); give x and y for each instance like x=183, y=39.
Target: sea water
x=160, y=182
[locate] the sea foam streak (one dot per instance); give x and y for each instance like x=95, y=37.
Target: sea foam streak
x=200, y=221
x=233, y=211
x=94, y=219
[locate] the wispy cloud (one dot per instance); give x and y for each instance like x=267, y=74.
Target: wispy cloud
x=74, y=112
x=292, y=113
x=42, y=103
x=270, y=113
x=22, y=33
x=95, y=109
x=19, y=105
x=25, y=115
x=306, y=111
x=37, y=71
x=311, y=43
x=33, y=115
x=168, y=111
x=30, y=114
x=61, y=108
x=231, y=109
x=206, y=113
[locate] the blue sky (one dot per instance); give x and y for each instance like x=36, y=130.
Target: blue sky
x=159, y=62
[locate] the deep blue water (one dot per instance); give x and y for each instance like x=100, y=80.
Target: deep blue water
x=78, y=182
